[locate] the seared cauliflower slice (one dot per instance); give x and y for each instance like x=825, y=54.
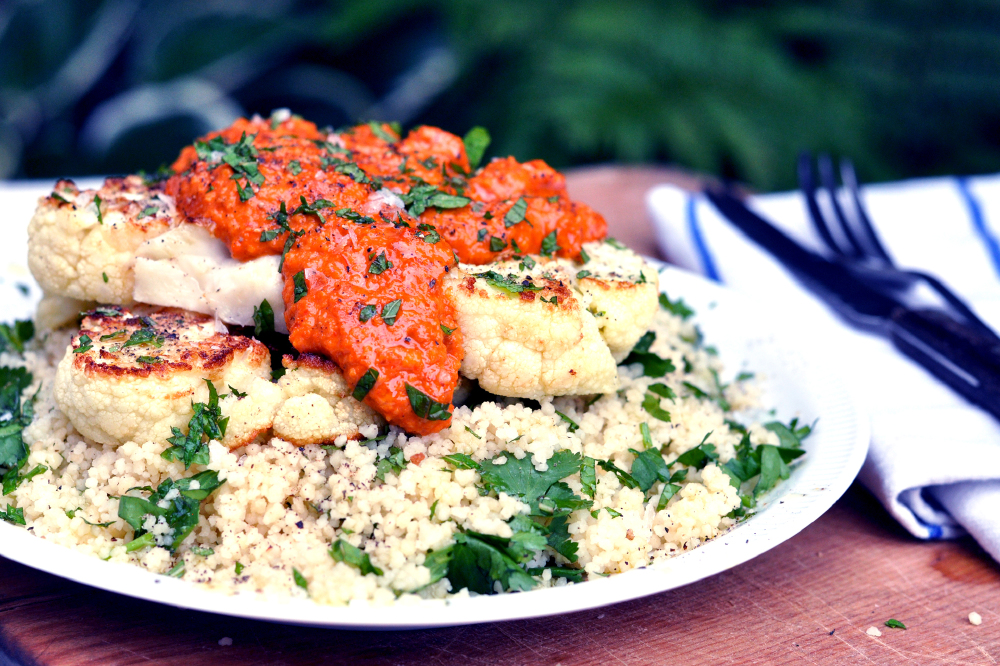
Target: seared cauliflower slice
x=81, y=244
x=527, y=332
x=132, y=377
x=318, y=406
x=621, y=290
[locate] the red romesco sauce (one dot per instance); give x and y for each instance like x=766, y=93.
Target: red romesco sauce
x=287, y=188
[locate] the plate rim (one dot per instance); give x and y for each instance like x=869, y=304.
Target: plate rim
x=17, y=544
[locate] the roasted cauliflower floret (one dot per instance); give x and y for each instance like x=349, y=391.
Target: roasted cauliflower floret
x=318, y=405
x=527, y=332
x=132, y=376
x=621, y=290
x=81, y=244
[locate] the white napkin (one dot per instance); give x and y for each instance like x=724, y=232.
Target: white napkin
x=934, y=460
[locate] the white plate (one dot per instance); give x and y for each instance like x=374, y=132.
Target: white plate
x=748, y=335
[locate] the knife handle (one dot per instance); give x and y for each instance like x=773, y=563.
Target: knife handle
x=959, y=355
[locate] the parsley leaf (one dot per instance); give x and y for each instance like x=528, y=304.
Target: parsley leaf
x=294, y=167
x=390, y=311
x=497, y=244
x=379, y=131
x=301, y=289
x=652, y=365
x=677, y=307
x=476, y=141
x=366, y=313
x=516, y=213
x=365, y=384
x=573, y=425
x=16, y=335
x=700, y=455
x=651, y=404
x=180, y=513
x=893, y=623
x=422, y=197
x=13, y=515
x=446, y=330
x=206, y=424
x=509, y=284
x=588, y=476
x=624, y=477
x=342, y=551
x=550, y=245
x=263, y=319
x=85, y=344
x=426, y=408
x=379, y=265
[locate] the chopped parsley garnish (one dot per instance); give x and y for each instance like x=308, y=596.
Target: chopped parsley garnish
x=180, y=512
x=392, y=463
x=207, y=423
x=72, y=514
x=202, y=552
x=582, y=274
x=367, y=313
x=299, y=280
x=354, y=216
x=58, y=197
x=241, y=157
x=15, y=415
x=313, y=208
x=478, y=561
x=652, y=365
x=550, y=245
x=446, y=330
x=263, y=319
x=663, y=391
x=239, y=568
x=85, y=344
x=379, y=265
x=390, y=311
x=516, y=213
x=299, y=579
x=342, y=551
x=294, y=167
x=13, y=515
x=425, y=407
x=105, y=277
x=16, y=335
x=144, y=336
x=481, y=235
x=428, y=233
x=573, y=425
x=239, y=394
x=554, y=199
x=651, y=404
x=588, y=477
x=700, y=455
x=97, y=205
x=152, y=360
x=476, y=141
x=678, y=307
x=379, y=131
x=584, y=257
x=527, y=262
x=422, y=197
x=624, y=477
x=893, y=623
x=148, y=210
x=614, y=243
x=647, y=437
x=472, y=432
x=365, y=384
x=509, y=284
x=497, y=244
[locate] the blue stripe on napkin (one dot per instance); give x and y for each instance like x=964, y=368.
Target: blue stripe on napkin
x=694, y=227
x=979, y=222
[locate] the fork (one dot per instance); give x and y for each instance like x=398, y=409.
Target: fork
x=861, y=250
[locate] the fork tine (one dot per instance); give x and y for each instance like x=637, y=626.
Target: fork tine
x=826, y=176
x=808, y=187
x=850, y=179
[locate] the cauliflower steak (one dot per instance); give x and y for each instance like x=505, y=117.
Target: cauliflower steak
x=82, y=243
x=133, y=377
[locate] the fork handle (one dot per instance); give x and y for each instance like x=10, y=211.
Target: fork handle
x=959, y=355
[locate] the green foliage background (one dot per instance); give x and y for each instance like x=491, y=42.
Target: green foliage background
x=905, y=87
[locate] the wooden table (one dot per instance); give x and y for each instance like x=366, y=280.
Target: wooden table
x=808, y=601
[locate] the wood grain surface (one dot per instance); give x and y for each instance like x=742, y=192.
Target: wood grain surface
x=808, y=601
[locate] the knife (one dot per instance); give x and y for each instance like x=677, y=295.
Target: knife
x=964, y=357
